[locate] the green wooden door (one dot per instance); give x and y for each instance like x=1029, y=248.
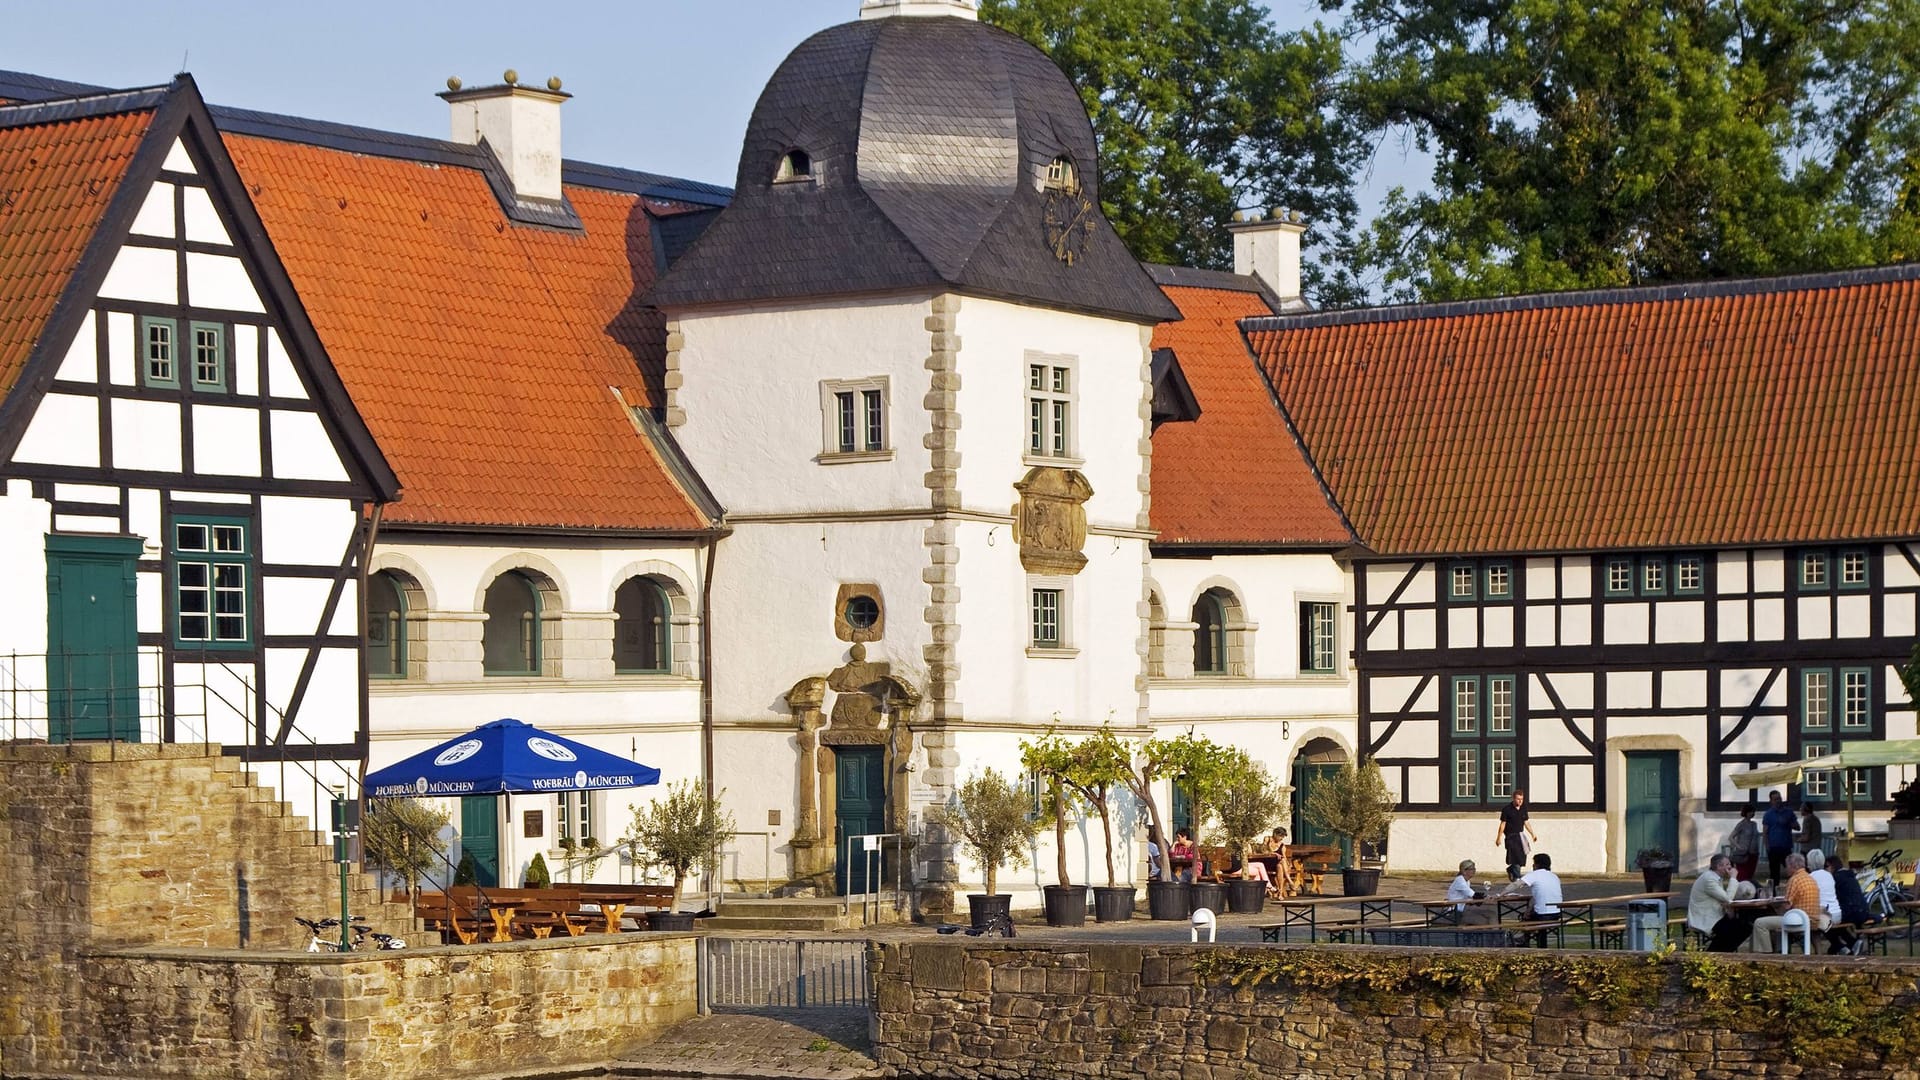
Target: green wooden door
x=1305, y=776
x=860, y=808
x=93, y=669
x=1653, y=802
x=480, y=837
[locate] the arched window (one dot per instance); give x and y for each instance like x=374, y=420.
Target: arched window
x=794, y=165
x=643, y=627
x=1210, y=634
x=1062, y=176
x=512, y=636
x=386, y=627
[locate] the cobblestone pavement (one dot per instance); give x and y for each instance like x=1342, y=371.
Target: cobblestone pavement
x=818, y=1044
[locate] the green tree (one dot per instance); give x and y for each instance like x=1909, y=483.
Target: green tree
x=537, y=875
x=402, y=838
x=1202, y=107
x=992, y=817
x=683, y=830
x=1050, y=758
x=1193, y=761
x=1250, y=804
x=1354, y=803
x=1589, y=143
x=1910, y=674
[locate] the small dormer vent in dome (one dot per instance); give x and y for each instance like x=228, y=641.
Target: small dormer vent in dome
x=794, y=165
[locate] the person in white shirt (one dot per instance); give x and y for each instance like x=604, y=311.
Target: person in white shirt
x=1461, y=888
x=1543, y=886
x=1709, y=906
x=1838, y=940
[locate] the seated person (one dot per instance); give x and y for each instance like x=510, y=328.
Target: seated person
x=1853, y=907
x=1182, y=856
x=1272, y=844
x=1153, y=861
x=1709, y=907
x=1803, y=893
x=1461, y=888
x=1542, y=886
x=1838, y=940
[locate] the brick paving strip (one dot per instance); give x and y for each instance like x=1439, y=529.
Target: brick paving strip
x=789, y=1044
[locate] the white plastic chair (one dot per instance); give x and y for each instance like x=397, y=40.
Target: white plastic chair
x=1203, y=917
x=1796, y=920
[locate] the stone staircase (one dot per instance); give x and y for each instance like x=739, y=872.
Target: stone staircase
x=793, y=915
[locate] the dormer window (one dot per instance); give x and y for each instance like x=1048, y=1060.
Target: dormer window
x=796, y=165
x=1061, y=175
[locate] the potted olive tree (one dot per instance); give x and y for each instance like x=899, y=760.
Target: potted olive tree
x=1182, y=758
x=1355, y=804
x=993, y=819
x=401, y=838
x=1206, y=774
x=1049, y=759
x=681, y=831
x=1101, y=762
x=1249, y=805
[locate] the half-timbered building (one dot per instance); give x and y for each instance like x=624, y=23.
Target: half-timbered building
x=1618, y=545
x=189, y=491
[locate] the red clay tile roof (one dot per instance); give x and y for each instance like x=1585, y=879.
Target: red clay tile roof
x=1234, y=477
x=1751, y=412
x=484, y=355
x=60, y=176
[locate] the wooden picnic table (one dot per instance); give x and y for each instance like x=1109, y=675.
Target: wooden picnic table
x=1496, y=937
x=1582, y=910
x=1911, y=909
x=1503, y=906
x=1303, y=911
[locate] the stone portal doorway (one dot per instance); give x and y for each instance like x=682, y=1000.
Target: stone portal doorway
x=860, y=809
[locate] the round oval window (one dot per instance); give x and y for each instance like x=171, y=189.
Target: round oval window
x=862, y=612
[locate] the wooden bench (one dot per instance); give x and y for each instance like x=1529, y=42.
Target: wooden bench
x=1350, y=931
x=1486, y=937
x=1313, y=877
x=1874, y=938
x=448, y=917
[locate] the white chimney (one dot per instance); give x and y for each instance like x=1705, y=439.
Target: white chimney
x=521, y=124
x=1269, y=248
x=882, y=9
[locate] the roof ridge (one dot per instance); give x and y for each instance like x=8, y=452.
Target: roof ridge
x=59, y=110
x=1629, y=294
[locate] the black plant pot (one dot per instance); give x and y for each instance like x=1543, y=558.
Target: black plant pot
x=1113, y=903
x=1066, y=905
x=1210, y=895
x=1169, y=900
x=1357, y=882
x=982, y=908
x=670, y=920
x=1657, y=877
x=1247, y=896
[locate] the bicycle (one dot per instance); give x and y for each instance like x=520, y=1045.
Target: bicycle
x=325, y=936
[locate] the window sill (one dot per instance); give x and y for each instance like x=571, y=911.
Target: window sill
x=853, y=457
x=1041, y=461
x=1039, y=652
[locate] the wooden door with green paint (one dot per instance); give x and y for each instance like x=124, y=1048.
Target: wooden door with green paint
x=93, y=669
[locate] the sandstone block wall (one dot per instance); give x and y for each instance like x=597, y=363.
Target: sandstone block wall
x=1199, y=1013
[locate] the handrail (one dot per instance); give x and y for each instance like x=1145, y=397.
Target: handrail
x=875, y=862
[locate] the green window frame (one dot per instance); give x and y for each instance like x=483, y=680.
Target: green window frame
x=207, y=355
x=1853, y=706
x=386, y=628
x=1813, y=570
x=1618, y=577
x=1462, y=583
x=1816, y=700
x=1319, y=638
x=1499, y=581
x=1503, y=771
x=1814, y=784
x=159, y=351
x=1689, y=575
x=1466, y=705
x=1502, y=705
x=1856, y=569
x=1466, y=774
x=212, y=574
x=642, y=628
x=576, y=815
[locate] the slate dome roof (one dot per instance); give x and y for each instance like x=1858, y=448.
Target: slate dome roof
x=927, y=143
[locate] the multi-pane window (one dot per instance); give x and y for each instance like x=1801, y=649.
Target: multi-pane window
x=159, y=358
x=1619, y=576
x=1050, y=410
x=209, y=356
x=1813, y=570
x=1688, y=576
x=856, y=415
x=1209, y=634
x=1816, y=700
x=576, y=816
x=1462, y=583
x=1855, y=688
x=1814, y=784
x=210, y=563
x=1499, y=581
x=1482, y=737
x=1853, y=569
x=1653, y=576
x=1860, y=783
x=1046, y=617
x=642, y=627
x=1317, y=648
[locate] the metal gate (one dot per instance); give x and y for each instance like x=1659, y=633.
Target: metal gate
x=783, y=973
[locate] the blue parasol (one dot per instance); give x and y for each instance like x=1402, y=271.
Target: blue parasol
x=507, y=756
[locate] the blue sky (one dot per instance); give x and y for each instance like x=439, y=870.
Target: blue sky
x=660, y=85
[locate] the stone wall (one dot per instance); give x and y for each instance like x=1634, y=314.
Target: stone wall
x=1198, y=1013
x=441, y=1012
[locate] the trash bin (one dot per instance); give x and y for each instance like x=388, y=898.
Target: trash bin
x=1646, y=924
